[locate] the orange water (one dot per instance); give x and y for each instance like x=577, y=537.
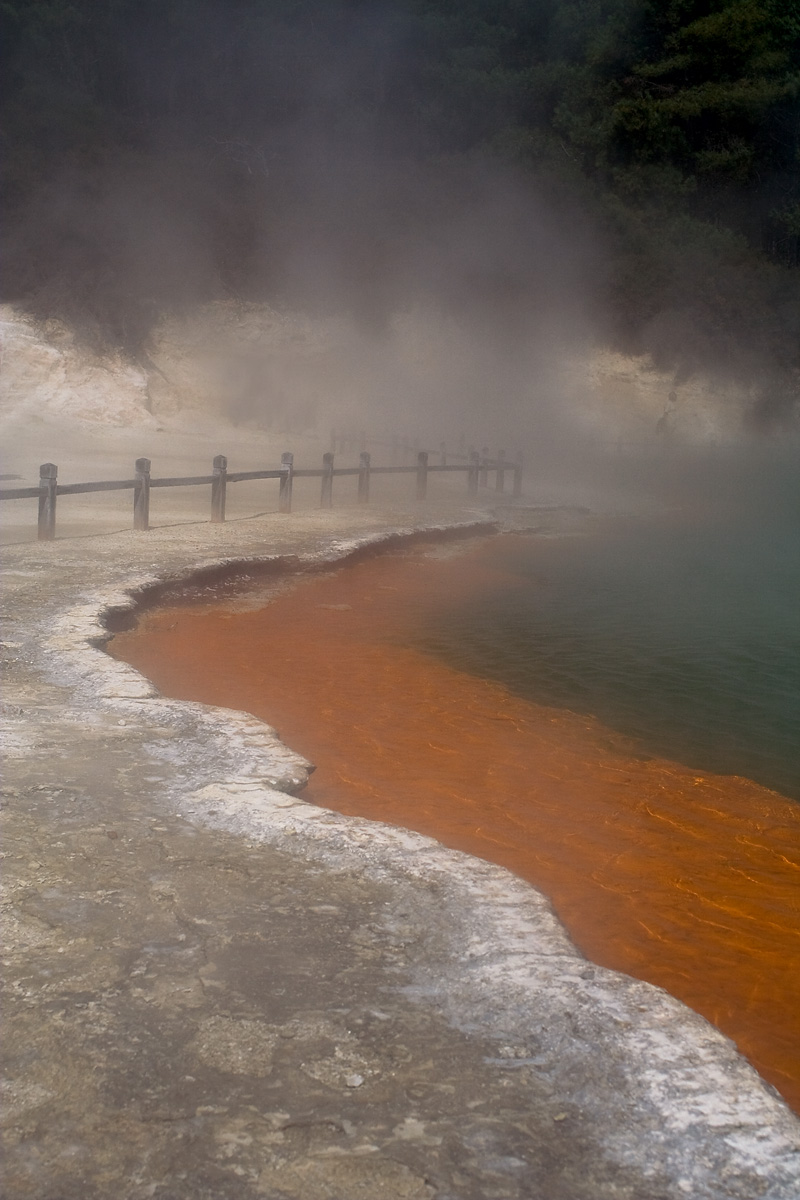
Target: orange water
x=690, y=882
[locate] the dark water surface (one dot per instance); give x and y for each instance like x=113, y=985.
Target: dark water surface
x=684, y=634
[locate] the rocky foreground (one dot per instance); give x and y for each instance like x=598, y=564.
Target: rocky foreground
x=214, y=989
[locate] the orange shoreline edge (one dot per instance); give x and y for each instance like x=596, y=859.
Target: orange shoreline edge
x=689, y=881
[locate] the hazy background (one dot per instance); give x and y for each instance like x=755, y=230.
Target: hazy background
x=441, y=206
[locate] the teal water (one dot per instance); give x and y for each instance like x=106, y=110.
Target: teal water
x=681, y=633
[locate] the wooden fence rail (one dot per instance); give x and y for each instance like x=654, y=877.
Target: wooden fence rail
x=476, y=468
x=403, y=448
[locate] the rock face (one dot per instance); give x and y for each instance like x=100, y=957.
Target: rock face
x=45, y=375
x=216, y=989
x=289, y=373
x=618, y=397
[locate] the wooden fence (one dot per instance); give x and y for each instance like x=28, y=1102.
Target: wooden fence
x=477, y=467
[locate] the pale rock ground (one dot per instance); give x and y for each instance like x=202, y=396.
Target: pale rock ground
x=217, y=990
x=295, y=375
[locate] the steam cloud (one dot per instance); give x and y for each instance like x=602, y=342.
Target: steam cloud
x=291, y=156
x=276, y=159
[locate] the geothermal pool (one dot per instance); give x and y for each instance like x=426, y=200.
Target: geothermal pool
x=613, y=717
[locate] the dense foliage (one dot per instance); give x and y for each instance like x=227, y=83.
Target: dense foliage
x=139, y=131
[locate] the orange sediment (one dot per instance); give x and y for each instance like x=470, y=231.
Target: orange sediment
x=689, y=881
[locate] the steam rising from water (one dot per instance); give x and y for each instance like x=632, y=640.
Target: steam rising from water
x=278, y=161
x=455, y=292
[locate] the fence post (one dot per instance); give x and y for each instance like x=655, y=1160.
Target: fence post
x=141, y=495
x=326, y=498
x=48, y=473
x=287, y=474
x=500, y=479
x=443, y=453
x=484, y=472
x=363, y=477
x=362, y=437
x=472, y=473
x=518, y=476
x=218, y=488
x=422, y=474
